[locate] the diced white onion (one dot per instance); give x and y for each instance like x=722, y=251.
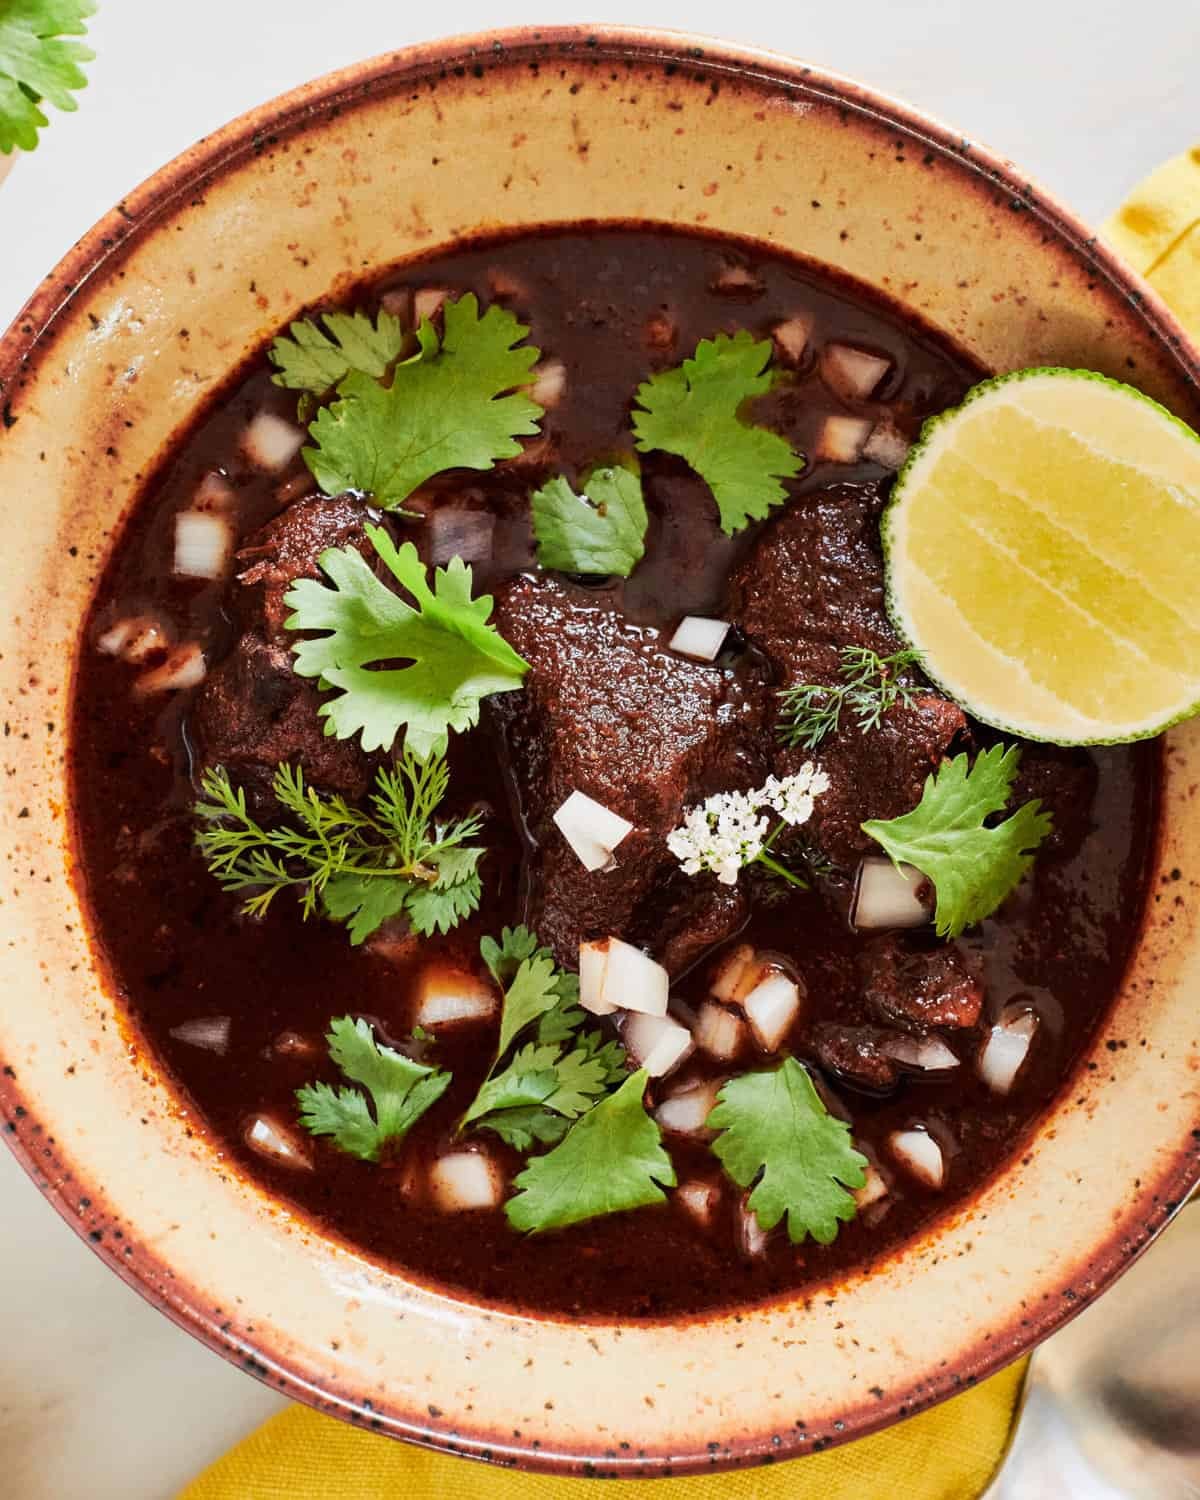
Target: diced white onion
x=700, y=1199
x=920, y=1154
x=852, y=373
x=614, y=975
x=841, y=439
x=184, y=668
x=547, y=390
x=872, y=1190
x=271, y=442
x=736, y=280
x=210, y=1033
x=203, y=544
x=734, y=968
x=460, y=533
x=686, y=1112
x=656, y=1043
x=887, y=446
x=447, y=996
x=752, y=1237
x=699, y=638
x=791, y=338
x=112, y=641
x=133, y=639
x=427, y=302
x=214, y=493
x=771, y=1007
x=464, y=1180
x=928, y=1053
x=276, y=1142
x=885, y=896
x=1006, y=1049
x=398, y=302
x=718, y=1031
x=591, y=829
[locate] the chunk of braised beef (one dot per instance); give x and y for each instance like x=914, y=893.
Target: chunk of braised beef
x=287, y=548
x=253, y=712
x=1065, y=782
x=855, y=1053
x=921, y=987
x=812, y=585
x=608, y=711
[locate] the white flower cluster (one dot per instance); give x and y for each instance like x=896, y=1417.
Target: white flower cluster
x=728, y=831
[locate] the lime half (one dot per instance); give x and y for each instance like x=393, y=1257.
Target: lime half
x=1043, y=552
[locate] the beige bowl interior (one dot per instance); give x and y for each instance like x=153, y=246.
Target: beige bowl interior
x=143, y=322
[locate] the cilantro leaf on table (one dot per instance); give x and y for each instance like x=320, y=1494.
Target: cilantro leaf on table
x=693, y=411
x=973, y=866
x=610, y=1160
x=38, y=65
x=359, y=866
x=455, y=657
x=602, y=531
x=774, y=1128
x=401, y=1091
x=313, y=359
x=458, y=403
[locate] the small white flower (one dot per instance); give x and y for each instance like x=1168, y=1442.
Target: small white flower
x=793, y=797
x=726, y=832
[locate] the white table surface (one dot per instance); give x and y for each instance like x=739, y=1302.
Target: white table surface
x=100, y=1396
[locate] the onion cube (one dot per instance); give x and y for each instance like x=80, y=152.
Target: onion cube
x=887, y=446
x=214, y=493
x=771, y=1007
x=852, y=373
x=184, y=668
x=614, y=975
x=699, y=1200
x=885, y=896
x=209, y=1033
x=592, y=831
x=463, y=1180
x=1005, y=1050
x=687, y=1112
x=271, y=442
x=752, y=1237
x=699, y=638
x=733, y=969
x=427, y=302
x=872, y=1190
x=719, y=1032
x=277, y=1143
x=656, y=1043
x=791, y=338
x=929, y=1053
x=593, y=966
x=203, y=544
x=550, y=383
x=447, y=995
x=841, y=440
x=917, y=1151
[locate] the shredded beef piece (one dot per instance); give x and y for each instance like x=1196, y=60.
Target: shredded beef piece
x=287, y=548
x=855, y=1054
x=921, y=987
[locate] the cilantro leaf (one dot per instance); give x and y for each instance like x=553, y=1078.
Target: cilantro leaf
x=446, y=408
x=532, y=992
x=693, y=412
x=774, y=1124
x=456, y=658
x=973, y=867
x=401, y=1091
x=602, y=531
x=37, y=64
x=526, y=1126
x=505, y=957
x=610, y=1160
x=308, y=358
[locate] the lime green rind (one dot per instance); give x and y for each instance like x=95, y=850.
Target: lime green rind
x=888, y=525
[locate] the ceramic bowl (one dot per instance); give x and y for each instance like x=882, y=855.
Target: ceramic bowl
x=108, y=364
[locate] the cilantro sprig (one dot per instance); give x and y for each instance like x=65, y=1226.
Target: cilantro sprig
x=694, y=411
x=358, y=866
x=870, y=686
x=401, y=1091
x=455, y=657
x=457, y=403
x=973, y=864
x=39, y=65
x=777, y=1134
x=602, y=531
x=314, y=359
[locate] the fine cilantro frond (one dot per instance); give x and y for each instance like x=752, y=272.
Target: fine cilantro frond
x=559, y=1074
x=457, y=403
x=870, y=686
x=358, y=866
x=401, y=1091
x=611, y=1159
x=602, y=531
x=694, y=411
x=37, y=64
x=455, y=657
x=973, y=865
x=313, y=359
x=776, y=1133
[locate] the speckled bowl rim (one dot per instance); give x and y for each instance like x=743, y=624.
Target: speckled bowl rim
x=31, y=335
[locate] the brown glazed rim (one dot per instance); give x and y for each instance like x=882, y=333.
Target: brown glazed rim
x=32, y=337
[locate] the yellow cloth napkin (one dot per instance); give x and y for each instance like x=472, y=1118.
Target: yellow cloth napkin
x=948, y=1453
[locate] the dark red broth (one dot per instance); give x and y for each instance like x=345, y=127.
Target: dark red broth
x=178, y=949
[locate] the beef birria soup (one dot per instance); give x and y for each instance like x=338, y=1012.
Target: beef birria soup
x=510, y=811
